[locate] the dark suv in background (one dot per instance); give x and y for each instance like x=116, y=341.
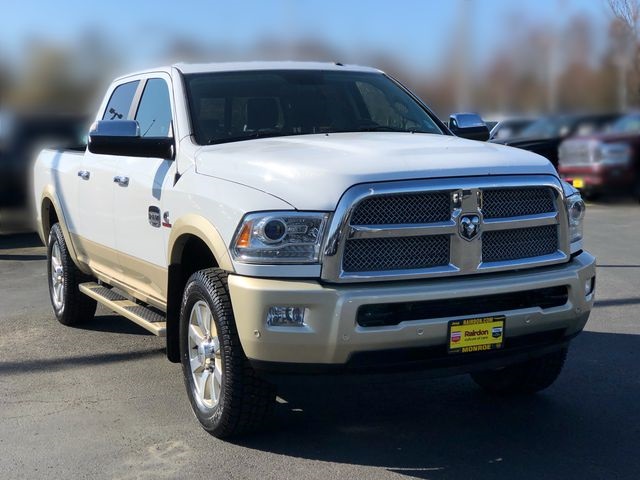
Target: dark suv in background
x=545, y=135
x=22, y=136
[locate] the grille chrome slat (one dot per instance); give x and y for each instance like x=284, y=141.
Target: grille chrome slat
x=520, y=222
x=404, y=230
x=405, y=246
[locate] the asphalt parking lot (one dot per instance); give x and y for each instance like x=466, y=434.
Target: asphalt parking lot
x=101, y=401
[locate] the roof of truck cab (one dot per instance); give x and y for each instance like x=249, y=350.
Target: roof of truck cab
x=248, y=67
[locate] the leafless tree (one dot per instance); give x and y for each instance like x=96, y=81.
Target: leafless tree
x=627, y=13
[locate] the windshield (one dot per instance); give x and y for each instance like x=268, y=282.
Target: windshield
x=630, y=123
x=234, y=106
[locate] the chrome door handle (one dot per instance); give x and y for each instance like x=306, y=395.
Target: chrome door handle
x=84, y=174
x=122, y=181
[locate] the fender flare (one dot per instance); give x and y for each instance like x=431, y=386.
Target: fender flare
x=201, y=228
x=190, y=225
x=49, y=195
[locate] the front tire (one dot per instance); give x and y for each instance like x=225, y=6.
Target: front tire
x=523, y=378
x=70, y=305
x=226, y=395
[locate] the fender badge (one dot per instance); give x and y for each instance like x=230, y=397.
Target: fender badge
x=154, y=217
x=165, y=220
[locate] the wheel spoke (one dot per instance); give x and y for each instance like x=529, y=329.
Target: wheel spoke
x=55, y=255
x=206, y=319
x=201, y=382
x=195, y=334
x=208, y=388
x=216, y=383
x=199, y=318
x=196, y=364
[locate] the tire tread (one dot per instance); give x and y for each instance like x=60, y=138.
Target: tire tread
x=78, y=307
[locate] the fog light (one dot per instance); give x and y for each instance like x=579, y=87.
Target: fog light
x=589, y=286
x=282, y=316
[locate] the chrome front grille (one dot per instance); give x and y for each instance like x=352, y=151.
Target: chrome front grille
x=575, y=152
x=414, y=208
x=402, y=230
x=516, y=202
x=515, y=244
x=400, y=253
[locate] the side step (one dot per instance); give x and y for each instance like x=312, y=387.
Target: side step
x=148, y=318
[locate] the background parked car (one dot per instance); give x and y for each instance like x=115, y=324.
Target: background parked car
x=545, y=134
x=23, y=135
x=604, y=162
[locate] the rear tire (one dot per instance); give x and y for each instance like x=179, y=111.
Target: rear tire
x=227, y=396
x=70, y=306
x=523, y=378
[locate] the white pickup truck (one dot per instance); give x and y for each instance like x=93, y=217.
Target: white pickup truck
x=301, y=218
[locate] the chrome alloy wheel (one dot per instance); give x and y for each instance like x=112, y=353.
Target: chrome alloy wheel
x=204, y=356
x=57, y=277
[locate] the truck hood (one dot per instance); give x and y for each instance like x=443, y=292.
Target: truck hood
x=311, y=172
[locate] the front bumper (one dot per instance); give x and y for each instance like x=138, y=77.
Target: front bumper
x=332, y=337
x=598, y=177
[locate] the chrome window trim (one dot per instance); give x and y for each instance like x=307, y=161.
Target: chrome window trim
x=465, y=255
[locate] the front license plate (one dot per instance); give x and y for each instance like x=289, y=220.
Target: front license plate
x=476, y=334
x=578, y=183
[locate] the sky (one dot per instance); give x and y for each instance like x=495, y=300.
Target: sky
x=415, y=32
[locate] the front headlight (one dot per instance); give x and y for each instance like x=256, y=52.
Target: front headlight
x=279, y=237
x=575, y=214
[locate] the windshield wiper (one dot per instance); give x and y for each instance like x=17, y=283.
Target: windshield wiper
x=249, y=136
x=378, y=128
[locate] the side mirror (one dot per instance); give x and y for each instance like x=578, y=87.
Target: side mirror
x=468, y=125
x=122, y=137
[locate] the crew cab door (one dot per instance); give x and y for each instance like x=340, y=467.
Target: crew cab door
x=95, y=240
x=141, y=230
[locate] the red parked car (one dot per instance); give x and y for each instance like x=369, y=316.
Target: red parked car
x=603, y=162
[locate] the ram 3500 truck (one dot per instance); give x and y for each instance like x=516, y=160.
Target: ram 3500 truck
x=274, y=218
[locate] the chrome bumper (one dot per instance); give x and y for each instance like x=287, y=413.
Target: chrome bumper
x=332, y=336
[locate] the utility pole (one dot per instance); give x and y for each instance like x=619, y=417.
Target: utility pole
x=553, y=56
x=462, y=49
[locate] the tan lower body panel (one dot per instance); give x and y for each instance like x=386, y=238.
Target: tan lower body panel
x=330, y=333
x=141, y=279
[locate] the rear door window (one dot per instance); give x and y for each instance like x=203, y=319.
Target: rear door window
x=120, y=101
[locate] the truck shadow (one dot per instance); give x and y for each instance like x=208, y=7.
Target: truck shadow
x=112, y=323
x=19, y=240
x=70, y=362
x=585, y=426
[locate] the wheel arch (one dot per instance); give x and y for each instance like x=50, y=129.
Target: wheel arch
x=194, y=244
x=51, y=213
